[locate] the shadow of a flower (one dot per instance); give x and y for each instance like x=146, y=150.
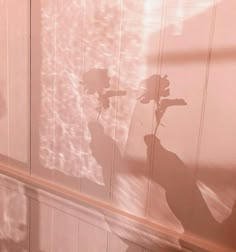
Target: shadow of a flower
x=155, y=88
x=95, y=81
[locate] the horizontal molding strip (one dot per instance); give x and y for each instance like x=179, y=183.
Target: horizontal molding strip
x=135, y=229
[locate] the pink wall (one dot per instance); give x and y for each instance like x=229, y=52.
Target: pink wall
x=132, y=104
x=14, y=81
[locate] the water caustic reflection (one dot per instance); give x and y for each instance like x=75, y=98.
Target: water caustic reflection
x=77, y=39
x=65, y=112
x=14, y=219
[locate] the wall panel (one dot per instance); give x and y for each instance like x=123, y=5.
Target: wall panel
x=100, y=84
x=132, y=111
x=14, y=78
x=135, y=116
x=215, y=210
x=91, y=238
x=116, y=244
x=3, y=80
x=40, y=227
x=172, y=151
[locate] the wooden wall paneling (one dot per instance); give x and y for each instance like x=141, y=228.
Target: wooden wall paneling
x=51, y=229
x=183, y=81
x=42, y=64
x=103, y=21
x=214, y=215
x=130, y=60
x=48, y=213
x=65, y=232
x=91, y=238
x=18, y=80
x=135, y=113
x=116, y=244
x=40, y=227
x=3, y=82
x=55, y=84
x=68, y=114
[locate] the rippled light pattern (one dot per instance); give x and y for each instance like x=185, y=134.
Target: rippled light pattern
x=13, y=211
x=77, y=37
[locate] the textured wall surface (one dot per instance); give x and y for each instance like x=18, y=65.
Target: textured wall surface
x=131, y=103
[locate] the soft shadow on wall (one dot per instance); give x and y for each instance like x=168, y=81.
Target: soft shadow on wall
x=170, y=175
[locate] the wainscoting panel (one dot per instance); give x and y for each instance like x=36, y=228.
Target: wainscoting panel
x=117, y=125
x=14, y=82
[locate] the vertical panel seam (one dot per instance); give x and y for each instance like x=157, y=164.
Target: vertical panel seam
x=108, y=242
x=54, y=90
x=82, y=86
x=204, y=101
x=8, y=83
x=157, y=91
x=52, y=227
x=29, y=220
x=117, y=101
x=78, y=237
x=30, y=88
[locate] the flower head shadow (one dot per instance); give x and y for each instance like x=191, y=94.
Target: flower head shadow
x=157, y=89
x=97, y=82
